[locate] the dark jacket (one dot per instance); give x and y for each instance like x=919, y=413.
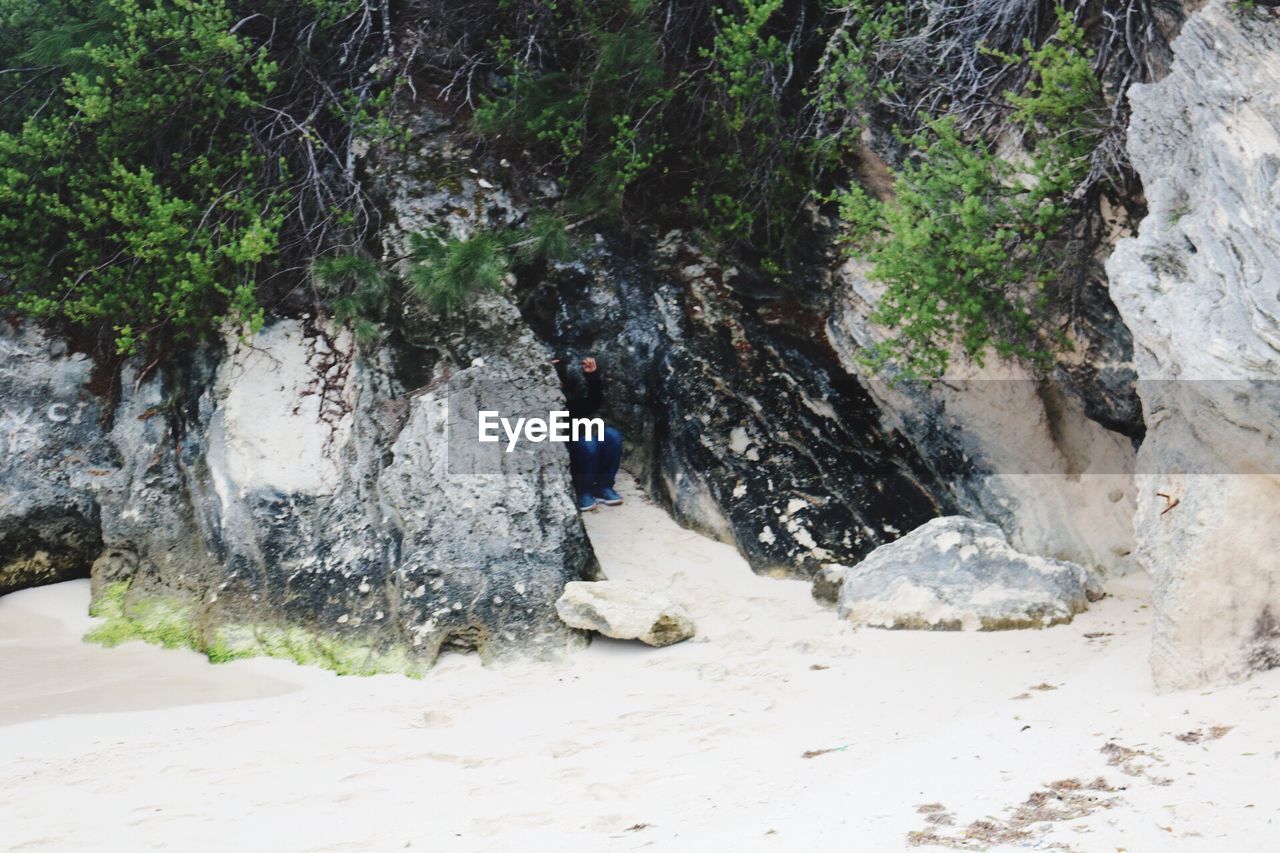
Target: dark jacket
x=585, y=407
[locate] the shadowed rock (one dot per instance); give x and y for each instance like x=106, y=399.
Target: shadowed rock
x=52, y=451
x=828, y=581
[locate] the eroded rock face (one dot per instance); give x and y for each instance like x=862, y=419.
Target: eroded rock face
x=625, y=611
x=296, y=495
x=1049, y=459
x=1200, y=289
x=736, y=410
x=299, y=501
x=51, y=451
x=748, y=410
x=957, y=574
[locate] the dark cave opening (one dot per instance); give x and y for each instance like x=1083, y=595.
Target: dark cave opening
x=48, y=545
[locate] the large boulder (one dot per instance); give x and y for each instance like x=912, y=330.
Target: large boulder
x=957, y=574
x=291, y=496
x=1200, y=289
x=625, y=611
x=293, y=493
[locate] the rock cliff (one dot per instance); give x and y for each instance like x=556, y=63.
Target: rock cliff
x=293, y=494
x=1200, y=289
x=288, y=495
x=297, y=494
x=1035, y=454
x=51, y=450
x=737, y=411
x=748, y=411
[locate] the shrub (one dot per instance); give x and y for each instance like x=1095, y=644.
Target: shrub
x=158, y=160
x=546, y=238
x=968, y=248
x=446, y=273
x=597, y=119
x=441, y=271
x=686, y=112
x=356, y=290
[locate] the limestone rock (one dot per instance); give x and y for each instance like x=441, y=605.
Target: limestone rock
x=1027, y=453
x=1200, y=289
x=624, y=611
x=296, y=495
x=955, y=573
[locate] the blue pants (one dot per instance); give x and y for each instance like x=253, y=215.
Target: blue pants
x=594, y=464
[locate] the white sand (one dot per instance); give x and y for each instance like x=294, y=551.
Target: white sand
x=698, y=746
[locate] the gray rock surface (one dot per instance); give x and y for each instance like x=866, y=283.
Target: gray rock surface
x=51, y=451
x=1024, y=452
x=747, y=411
x=955, y=573
x=1200, y=289
x=300, y=501
x=298, y=496
x=625, y=611
x=737, y=413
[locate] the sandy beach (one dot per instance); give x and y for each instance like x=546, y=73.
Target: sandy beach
x=777, y=728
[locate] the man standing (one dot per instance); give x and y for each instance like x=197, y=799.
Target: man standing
x=593, y=462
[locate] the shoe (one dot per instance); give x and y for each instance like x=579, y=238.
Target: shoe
x=586, y=503
x=608, y=496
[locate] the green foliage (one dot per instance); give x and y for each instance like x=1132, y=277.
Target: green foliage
x=446, y=273
x=620, y=119
x=748, y=185
x=357, y=291
x=440, y=271
x=152, y=621
x=165, y=165
x=1059, y=109
x=83, y=177
x=967, y=247
x=726, y=117
x=848, y=80
x=598, y=120
x=151, y=172
x=547, y=239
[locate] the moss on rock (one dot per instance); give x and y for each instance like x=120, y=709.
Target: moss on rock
x=299, y=645
x=172, y=624
x=161, y=621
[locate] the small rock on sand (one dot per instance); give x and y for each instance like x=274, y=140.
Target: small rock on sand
x=624, y=611
x=827, y=582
